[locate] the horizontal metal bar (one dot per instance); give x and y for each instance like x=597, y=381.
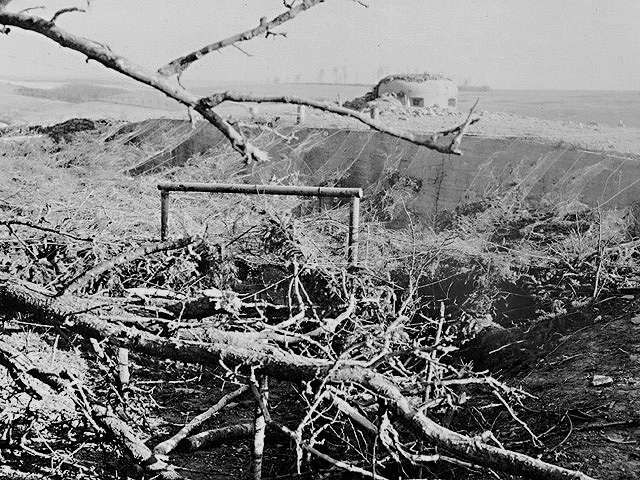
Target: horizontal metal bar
x=261, y=189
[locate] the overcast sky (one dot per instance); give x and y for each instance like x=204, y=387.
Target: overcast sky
x=532, y=44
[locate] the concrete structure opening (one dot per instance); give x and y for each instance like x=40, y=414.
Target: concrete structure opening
x=420, y=90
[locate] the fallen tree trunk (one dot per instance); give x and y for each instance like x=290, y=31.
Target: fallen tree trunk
x=168, y=445
x=214, y=438
x=243, y=351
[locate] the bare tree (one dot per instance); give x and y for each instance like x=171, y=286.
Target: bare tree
x=163, y=80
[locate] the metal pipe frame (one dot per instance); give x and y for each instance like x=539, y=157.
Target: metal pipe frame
x=354, y=193
x=261, y=189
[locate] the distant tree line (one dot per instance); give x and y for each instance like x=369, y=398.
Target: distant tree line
x=72, y=93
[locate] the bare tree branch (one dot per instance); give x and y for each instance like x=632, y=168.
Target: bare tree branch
x=168, y=445
x=428, y=141
x=455, y=143
x=102, y=54
x=62, y=11
x=205, y=106
x=179, y=65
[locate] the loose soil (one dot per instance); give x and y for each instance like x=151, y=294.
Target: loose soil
x=597, y=428
x=585, y=426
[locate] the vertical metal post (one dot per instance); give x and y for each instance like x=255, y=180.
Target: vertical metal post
x=164, y=213
x=354, y=232
x=302, y=115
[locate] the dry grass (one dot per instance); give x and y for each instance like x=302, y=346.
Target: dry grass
x=79, y=188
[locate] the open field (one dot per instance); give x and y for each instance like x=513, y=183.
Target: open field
x=605, y=108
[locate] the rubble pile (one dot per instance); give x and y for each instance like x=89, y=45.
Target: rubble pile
x=403, y=112
x=361, y=103
x=388, y=104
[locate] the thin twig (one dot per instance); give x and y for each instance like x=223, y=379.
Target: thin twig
x=62, y=11
x=600, y=254
x=568, y=417
x=243, y=51
x=338, y=463
x=24, y=245
x=23, y=223
x=534, y=437
x=27, y=10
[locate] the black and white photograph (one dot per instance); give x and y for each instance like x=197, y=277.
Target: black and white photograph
x=320, y=239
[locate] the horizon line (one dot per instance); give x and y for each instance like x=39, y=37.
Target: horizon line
x=203, y=83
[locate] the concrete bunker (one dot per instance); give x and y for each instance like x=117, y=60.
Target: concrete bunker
x=420, y=90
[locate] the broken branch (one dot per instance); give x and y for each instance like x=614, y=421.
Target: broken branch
x=455, y=143
x=212, y=438
x=103, y=54
x=428, y=141
x=168, y=445
x=179, y=65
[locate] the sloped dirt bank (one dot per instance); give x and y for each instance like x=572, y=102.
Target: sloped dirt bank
x=598, y=424
x=585, y=376
x=532, y=171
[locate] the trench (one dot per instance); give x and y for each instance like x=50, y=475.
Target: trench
x=523, y=172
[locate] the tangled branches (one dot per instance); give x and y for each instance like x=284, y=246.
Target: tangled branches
x=375, y=379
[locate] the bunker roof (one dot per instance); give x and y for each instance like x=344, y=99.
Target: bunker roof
x=413, y=77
